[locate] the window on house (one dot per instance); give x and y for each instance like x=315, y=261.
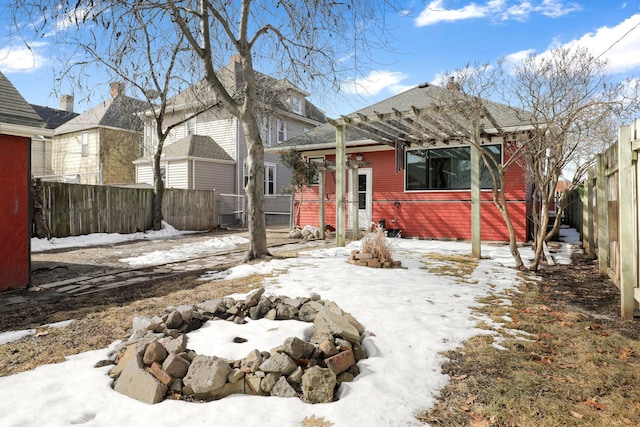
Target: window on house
x=282, y=130
x=296, y=104
x=266, y=131
x=85, y=144
x=446, y=168
x=269, y=178
x=190, y=126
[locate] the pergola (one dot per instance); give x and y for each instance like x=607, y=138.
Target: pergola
x=401, y=129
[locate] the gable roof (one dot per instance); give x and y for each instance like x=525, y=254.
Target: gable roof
x=196, y=146
x=423, y=102
x=270, y=90
x=13, y=107
x=192, y=146
x=53, y=117
x=118, y=113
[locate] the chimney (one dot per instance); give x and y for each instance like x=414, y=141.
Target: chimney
x=452, y=84
x=117, y=88
x=66, y=103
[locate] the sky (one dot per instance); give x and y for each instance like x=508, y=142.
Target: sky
x=429, y=39
x=407, y=327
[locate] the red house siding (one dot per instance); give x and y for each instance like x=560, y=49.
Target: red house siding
x=426, y=214
x=14, y=212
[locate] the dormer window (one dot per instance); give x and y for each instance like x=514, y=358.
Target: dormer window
x=190, y=126
x=265, y=131
x=296, y=104
x=282, y=130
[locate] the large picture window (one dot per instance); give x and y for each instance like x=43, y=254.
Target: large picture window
x=446, y=168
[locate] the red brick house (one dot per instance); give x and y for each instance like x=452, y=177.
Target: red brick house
x=18, y=124
x=412, y=161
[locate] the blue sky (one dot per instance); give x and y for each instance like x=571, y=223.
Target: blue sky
x=431, y=38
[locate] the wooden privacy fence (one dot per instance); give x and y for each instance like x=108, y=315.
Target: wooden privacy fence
x=611, y=215
x=76, y=209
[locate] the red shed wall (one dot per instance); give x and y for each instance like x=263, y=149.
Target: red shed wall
x=425, y=214
x=14, y=212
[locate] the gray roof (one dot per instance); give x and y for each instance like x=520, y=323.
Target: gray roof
x=119, y=112
x=196, y=146
x=13, y=107
x=420, y=97
x=53, y=117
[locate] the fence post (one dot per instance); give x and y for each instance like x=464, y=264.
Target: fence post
x=587, y=215
x=627, y=223
x=603, y=220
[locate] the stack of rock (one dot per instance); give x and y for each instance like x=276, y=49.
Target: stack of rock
x=155, y=362
x=366, y=259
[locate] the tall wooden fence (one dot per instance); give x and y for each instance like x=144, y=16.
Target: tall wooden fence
x=76, y=209
x=611, y=215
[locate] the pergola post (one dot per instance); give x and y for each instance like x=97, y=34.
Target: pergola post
x=321, y=193
x=353, y=212
x=476, y=240
x=340, y=190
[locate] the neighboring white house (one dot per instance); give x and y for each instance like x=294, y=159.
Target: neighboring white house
x=41, y=148
x=290, y=115
x=99, y=145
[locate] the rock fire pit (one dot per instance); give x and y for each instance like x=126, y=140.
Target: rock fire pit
x=155, y=363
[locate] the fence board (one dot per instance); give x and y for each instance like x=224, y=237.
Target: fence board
x=76, y=209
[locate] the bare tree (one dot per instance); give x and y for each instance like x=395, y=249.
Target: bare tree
x=567, y=107
x=314, y=43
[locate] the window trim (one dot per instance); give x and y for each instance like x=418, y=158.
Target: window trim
x=296, y=104
x=482, y=165
x=267, y=166
x=265, y=131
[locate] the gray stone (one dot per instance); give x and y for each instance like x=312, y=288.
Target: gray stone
x=338, y=324
x=328, y=348
x=206, y=374
x=155, y=352
x=271, y=314
x=176, y=345
x=358, y=351
x=186, y=311
x=252, y=385
x=267, y=383
x=212, y=306
x=297, y=348
x=286, y=312
x=345, y=377
x=175, y=365
x=308, y=311
x=292, y=302
x=235, y=375
x=283, y=389
x=296, y=376
x=138, y=384
x=355, y=323
x=279, y=363
x=314, y=297
x=253, y=298
x=318, y=385
x=227, y=390
x=321, y=334
x=174, y=320
x=253, y=356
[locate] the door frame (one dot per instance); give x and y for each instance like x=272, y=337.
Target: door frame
x=364, y=215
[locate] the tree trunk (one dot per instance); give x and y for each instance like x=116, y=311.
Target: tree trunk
x=255, y=189
x=158, y=191
x=499, y=199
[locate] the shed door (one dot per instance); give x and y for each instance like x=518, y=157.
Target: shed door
x=364, y=197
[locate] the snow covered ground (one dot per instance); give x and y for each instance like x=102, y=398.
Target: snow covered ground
x=410, y=316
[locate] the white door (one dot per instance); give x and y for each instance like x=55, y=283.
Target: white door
x=363, y=195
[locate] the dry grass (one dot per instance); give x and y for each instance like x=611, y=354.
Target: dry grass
x=375, y=243
x=460, y=266
x=567, y=370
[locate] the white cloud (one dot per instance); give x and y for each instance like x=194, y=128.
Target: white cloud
x=620, y=45
x=436, y=12
x=22, y=59
x=376, y=82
